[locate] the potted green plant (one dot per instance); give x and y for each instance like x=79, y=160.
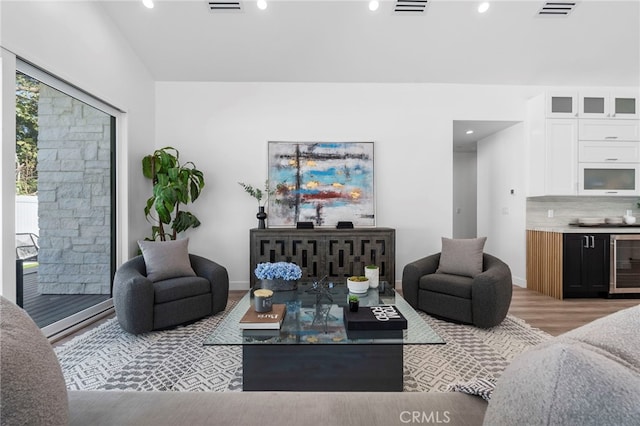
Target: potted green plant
x=174, y=185
x=258, y=194
x=373, y=273
x=354, y=303
x=358, y=284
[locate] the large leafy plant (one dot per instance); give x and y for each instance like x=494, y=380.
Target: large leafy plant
x=174, y=186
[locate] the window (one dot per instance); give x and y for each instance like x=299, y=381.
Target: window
x=65, y=204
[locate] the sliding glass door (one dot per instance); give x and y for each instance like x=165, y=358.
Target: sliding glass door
x=65, y=204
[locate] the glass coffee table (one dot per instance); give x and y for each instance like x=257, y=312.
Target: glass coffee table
x=313, y=350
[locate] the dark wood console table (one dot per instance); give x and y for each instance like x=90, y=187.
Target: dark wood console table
x=337, y=253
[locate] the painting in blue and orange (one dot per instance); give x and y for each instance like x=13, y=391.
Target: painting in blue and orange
x=321, y=182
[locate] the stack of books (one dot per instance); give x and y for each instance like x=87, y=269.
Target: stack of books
x=385, y=317
x=271, y=320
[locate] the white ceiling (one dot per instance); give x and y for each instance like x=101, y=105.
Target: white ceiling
x=342, y=41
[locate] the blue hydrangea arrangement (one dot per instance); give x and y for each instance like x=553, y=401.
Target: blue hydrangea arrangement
x=279, y=270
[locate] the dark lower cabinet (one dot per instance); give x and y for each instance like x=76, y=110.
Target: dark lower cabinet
x=585, y=271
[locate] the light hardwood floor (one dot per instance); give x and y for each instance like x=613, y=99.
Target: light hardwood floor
x=558, y=316
x=546, y=313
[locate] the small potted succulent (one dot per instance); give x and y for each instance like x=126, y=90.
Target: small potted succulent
x=354, y=303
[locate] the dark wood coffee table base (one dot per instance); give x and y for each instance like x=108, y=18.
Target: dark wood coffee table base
x=322, y=367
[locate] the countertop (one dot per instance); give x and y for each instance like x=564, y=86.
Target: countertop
x=600, y=229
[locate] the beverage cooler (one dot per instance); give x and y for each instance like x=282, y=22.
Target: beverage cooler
x=625, y=264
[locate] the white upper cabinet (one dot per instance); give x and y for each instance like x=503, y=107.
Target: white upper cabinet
x=594, y=105
x=599, y=104
x=609, y=130
x=561, y=162
x=608, y=152
x=584, y=141
x=562, y=105
x=624, y=105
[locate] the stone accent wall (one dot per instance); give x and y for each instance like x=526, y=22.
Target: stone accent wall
x=74, y=174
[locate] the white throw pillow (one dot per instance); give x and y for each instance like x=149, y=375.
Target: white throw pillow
x=166, y=259
x=461, y=256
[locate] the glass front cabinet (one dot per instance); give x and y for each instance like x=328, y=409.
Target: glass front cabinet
x=562, y=105
x=608, y=179
x=608, y=105
x=621, y=104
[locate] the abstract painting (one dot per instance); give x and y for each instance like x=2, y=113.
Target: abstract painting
x=321, y=182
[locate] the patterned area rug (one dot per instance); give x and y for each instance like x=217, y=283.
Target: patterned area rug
x=108, y=358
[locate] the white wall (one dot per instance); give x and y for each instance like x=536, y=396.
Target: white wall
x=7, y=173
x=78, y=43
x=465, y=211
x=224, y=128
x=502, y=215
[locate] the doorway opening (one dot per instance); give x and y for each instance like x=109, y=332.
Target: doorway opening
x=467, y=134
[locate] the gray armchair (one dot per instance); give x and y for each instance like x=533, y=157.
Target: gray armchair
x=142, y=305
x=482, y=301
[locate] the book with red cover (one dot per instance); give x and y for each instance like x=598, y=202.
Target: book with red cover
x=385, y=317
x=271, y=320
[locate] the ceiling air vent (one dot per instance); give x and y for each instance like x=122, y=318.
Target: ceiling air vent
x=410, y=7
x=225, y=6
x=557, y=8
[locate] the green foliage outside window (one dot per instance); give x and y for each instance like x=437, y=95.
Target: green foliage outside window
x=27, y=96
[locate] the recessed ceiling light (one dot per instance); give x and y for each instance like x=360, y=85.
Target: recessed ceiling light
x=148, y=4
x=469, y=132
x=374, y=5
x=483, y=7
x=262, y=4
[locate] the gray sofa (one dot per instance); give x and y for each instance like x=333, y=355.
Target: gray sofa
x=482, y=300
x=273, y=408
x=590, y=376
x=33, y=392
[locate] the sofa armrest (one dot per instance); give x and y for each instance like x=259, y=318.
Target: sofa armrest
x=133, y=297
x=411, y=276
x=491, y=293
x=272, y=408
x=217, y=276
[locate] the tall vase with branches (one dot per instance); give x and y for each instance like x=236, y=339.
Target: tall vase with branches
x=174, y=186
x=258, y=194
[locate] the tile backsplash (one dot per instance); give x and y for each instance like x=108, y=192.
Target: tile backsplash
x=568, y=209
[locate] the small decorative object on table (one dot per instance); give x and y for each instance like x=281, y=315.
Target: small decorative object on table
x=278, y=276
x=354, y=303
x=263, y=300
x=321, y=288
x=257, y=193
x=373, y=273
x=358, y=284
